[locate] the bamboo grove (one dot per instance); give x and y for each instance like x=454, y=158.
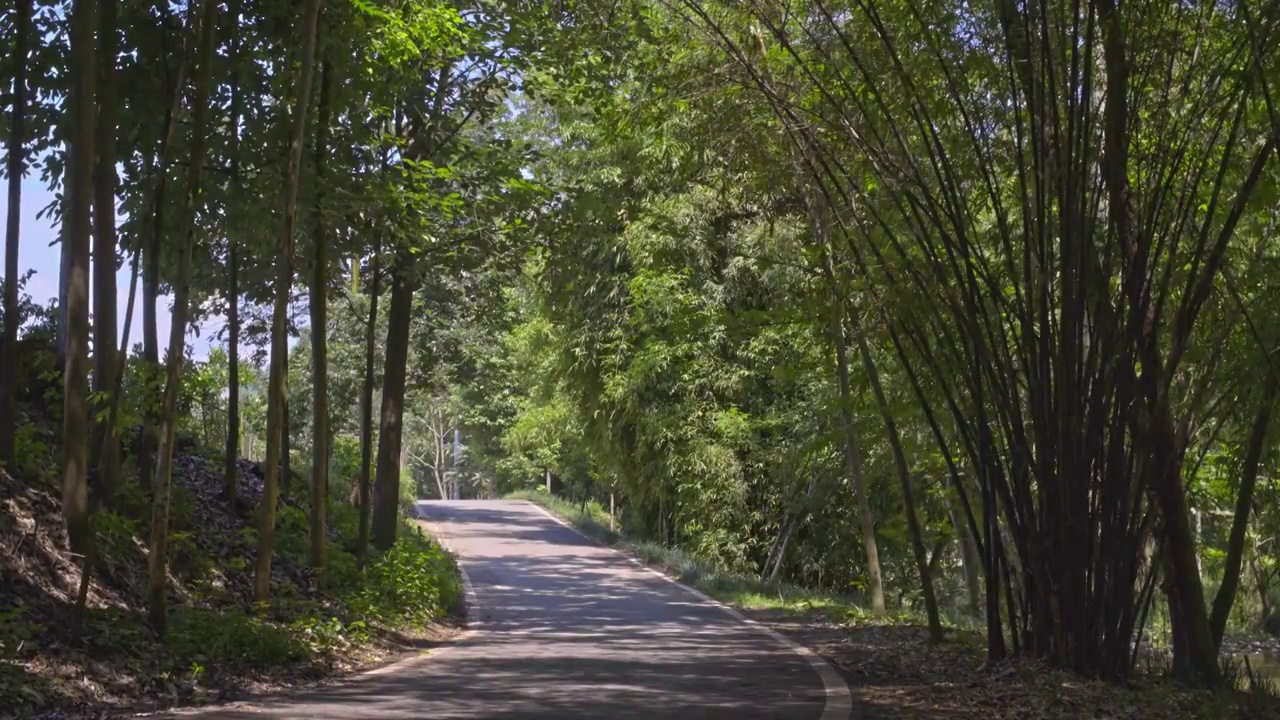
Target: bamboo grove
x=964, y=307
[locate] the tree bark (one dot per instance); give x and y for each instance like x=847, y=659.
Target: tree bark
x=1226, y=596
x=1194, y=649
x=286, y=467
x=904, y=478
x=17, y=161
x=319, y=339
x=366, y=408
x=151, y=284
x=230, y=473
x=386, y=490
x=75, y=309
x=157, y=560
x=104, y=249
x=969, y=561
x=278, y=382
x=852, y=455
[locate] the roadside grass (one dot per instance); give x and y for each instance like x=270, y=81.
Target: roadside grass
x=907, y=676
x=739, y=590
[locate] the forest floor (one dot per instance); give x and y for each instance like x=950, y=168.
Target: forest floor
x=893, y=671
x=218, y=648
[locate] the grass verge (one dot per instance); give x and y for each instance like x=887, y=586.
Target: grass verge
x=736, y=589
x=894, y=671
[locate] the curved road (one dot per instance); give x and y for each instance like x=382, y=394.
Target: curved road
x=567, y=629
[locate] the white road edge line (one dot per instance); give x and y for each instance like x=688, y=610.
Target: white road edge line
x=839, y=701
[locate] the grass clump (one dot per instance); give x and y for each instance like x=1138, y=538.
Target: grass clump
x=232, y=639
x=589, y=518
x=733, y=588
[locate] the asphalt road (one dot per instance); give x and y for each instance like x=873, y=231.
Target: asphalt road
x=566, y=630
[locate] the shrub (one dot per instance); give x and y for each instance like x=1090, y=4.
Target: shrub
x=116, y=535
x=341, y=573
x=231, y=639
x=412, y=583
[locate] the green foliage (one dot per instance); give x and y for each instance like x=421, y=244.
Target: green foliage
x=117, y=535
x=412, y=583
x=15, y=630
x=232, y=639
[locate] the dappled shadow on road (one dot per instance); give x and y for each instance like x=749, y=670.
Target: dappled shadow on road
x=571, y=630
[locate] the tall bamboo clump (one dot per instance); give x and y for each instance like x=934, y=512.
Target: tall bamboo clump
x=1045, y=242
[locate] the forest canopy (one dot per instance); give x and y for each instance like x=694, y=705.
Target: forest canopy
x=957, y=308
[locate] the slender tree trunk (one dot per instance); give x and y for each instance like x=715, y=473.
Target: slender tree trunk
x=904, y=478
x=853, y=465
x=366, y=408
x=852, y=454
x=969, y=561
x=157, y=557
x=319, y=338
x=780, y=560
x=278, y=383
x=1226, y=596
x=104, y=249
x=1194, y=649
x=230, y=473
x=150, y=339
x=64, y=288
x=286, y=467
x=151, y=285
x=17, y=169
x=113, y=415
x=112, y=425
x=1261, y=580
x=76, y=231
x=386, y=489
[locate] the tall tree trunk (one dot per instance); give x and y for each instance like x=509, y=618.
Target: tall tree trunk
x=853, y=465
x=76, y=231
x=904, y=479
x=17, y=150
x=230, y=473
x=1194, y=649
x=969, y=560
x=278, y=382
x=104, y=250
x=849, y=433
x=286, y=468
x=150, y=333
x=319, y=338
x=1226, y=596
x=113, y=413
x=64, y=288
x=157, y=560
x=386, y=489
x=366, y=407
x=151, y=283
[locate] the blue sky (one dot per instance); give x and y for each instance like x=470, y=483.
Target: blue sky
x=36, y=253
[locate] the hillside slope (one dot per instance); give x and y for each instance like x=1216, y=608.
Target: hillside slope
x=218, y=646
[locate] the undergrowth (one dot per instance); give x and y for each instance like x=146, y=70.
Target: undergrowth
x=218, y=641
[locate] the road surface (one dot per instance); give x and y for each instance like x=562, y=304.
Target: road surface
x=567, y=629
